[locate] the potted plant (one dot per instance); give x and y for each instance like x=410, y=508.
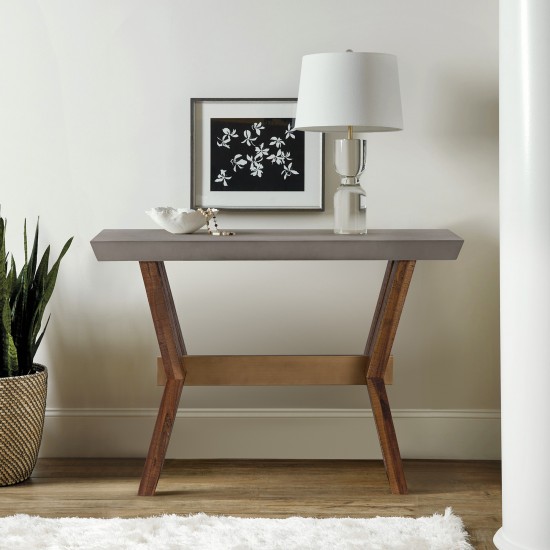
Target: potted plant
x=23, y=384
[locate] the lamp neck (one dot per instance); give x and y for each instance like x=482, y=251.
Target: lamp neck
x=350, y=132
x=350, y=180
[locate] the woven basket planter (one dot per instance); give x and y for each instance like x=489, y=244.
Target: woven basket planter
x=22, y=411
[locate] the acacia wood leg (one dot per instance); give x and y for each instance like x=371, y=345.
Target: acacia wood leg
x=160, y=438
x=380, y=341
x=172, y=348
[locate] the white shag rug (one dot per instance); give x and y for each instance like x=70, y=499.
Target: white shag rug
x=202, y=532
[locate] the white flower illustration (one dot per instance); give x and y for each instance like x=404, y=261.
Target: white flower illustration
x=277, y=141
x=256, y=169
x=224, y=140
x=238, y=162
x=261, y=152
x=222, y=178
x=289, y=133
x=288, y=171
x=257, y=127
x=248, y=139
x=279, y=158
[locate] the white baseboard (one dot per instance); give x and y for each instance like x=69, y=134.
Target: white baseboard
x=273, y=433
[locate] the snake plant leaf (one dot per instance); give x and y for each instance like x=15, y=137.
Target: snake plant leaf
x=25, y=241
x=52, y=275
x=41, y=275
x=8, y=353
x=7, y=345
x=3, y=259
x=12, y=278
x=39, y=339
x=39, y=287
x=34, y=252
x=14, y=296
x=9, y=365
x=3, y=255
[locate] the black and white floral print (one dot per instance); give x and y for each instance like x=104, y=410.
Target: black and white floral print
x=260, y=154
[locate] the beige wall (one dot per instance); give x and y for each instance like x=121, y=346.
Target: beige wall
x=94, y=130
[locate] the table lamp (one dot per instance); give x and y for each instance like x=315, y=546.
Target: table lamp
x=349, y=92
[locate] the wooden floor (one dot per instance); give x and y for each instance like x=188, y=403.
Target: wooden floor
x=267, y=488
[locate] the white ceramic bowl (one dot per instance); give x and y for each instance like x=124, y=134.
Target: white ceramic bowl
x=178, y=220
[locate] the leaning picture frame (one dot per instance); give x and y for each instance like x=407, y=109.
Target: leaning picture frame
x=246, y=155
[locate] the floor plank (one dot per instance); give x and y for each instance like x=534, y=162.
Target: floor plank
x=263, y=488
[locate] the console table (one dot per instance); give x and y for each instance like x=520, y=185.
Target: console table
x=399, y=248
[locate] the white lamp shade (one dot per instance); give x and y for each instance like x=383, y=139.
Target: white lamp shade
x=357, y=89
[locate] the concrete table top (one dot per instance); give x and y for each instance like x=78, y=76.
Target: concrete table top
x=157, y=245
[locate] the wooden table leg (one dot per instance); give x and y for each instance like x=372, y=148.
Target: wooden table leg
x=172, y=348
x=382, y=334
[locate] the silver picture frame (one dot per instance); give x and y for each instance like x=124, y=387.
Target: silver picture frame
x=246, y=155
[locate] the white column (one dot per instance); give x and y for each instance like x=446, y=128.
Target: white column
x=525, y=273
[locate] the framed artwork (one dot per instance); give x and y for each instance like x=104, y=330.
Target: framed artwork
x=246, y=155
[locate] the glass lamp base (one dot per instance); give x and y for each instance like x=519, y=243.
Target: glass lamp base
x=350, y=210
